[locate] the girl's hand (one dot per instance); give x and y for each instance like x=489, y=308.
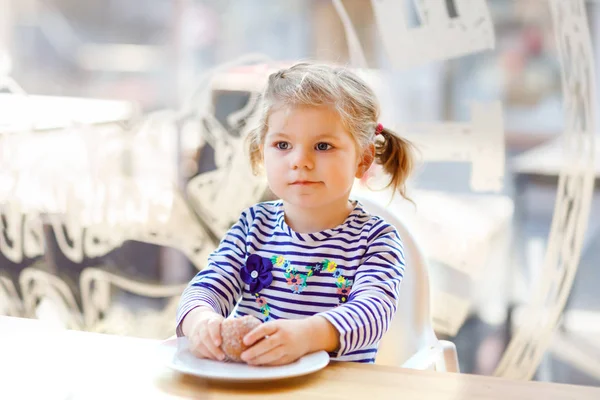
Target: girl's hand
x=205, y=336
x=282, y=342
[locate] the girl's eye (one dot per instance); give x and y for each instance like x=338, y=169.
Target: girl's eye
x=323, y=146
x=282, y=145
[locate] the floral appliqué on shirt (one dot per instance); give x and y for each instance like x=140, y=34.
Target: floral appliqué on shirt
x=344, y=286
x=297, y=281
x=264, y=307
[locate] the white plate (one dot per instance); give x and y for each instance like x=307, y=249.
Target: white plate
x=178, y=357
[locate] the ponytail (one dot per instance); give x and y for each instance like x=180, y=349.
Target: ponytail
x=395, y=155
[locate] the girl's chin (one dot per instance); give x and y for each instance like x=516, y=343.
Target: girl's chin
x=308, y=202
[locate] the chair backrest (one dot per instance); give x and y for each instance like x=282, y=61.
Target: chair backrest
x=411, y=329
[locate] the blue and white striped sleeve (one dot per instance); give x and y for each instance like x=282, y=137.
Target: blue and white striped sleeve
x=373, y=300
x=219, y=285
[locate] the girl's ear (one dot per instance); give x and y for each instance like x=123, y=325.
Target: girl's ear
x=365, y=161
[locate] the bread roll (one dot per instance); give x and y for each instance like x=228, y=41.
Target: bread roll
x=233, y=331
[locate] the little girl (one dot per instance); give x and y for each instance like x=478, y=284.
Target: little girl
x=320, y=271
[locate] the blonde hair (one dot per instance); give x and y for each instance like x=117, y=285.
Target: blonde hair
x=316, y=85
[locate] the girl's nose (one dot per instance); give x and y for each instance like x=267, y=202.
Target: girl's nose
x=302, y=158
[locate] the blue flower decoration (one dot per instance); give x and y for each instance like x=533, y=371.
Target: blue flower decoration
x=268, y=318
x=299, y=288
x=257, y=273
x=337, y=273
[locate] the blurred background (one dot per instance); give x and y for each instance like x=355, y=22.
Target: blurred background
x=121, y=158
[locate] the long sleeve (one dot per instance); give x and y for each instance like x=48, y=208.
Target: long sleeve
x=373, y=300
x=219, y=285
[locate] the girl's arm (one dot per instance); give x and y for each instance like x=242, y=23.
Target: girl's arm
x=218, y=287
x=372, y=302
x=192, y=317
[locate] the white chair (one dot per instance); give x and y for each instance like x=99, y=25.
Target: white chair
x=411, y=342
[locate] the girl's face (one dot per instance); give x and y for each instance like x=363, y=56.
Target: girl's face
x=311, y=161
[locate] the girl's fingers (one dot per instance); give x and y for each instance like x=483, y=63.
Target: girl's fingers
x=198, y=350
x=214, y=338
x=202, y=346
x=272, y=356
x=212, y=352
x=262, y=347
x=258, y=333
x=214, y=331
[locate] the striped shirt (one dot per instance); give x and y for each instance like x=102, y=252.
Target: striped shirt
x=349, y=275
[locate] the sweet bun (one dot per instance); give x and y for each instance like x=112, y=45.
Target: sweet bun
x=233, y=331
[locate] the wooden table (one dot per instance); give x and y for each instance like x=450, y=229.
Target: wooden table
x=39, y=361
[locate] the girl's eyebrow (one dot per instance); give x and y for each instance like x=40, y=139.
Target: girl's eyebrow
x=278, y=134
x=326, y=136
x=285, y=135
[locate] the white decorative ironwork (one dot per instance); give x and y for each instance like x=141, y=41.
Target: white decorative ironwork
x=96, y=206
x=219, y=195
x=480, y=142
x=103, y=314
x=10, y=302
x=357, y=55
x=574, y=194
x=440, y=36
x=40, y=286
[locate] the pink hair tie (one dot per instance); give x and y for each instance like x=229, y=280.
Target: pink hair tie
x=379, y=129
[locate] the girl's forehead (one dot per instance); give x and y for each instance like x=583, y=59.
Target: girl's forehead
x=298, y=118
